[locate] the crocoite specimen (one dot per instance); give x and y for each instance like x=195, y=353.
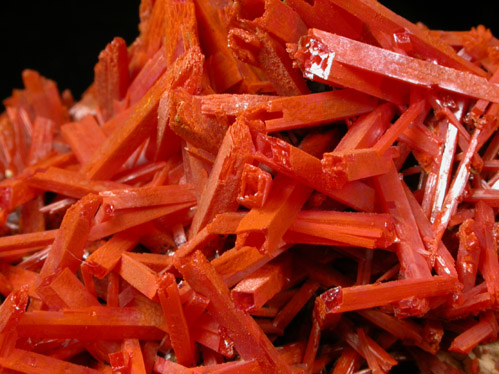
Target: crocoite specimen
x=255, y=186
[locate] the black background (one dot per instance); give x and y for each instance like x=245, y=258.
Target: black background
x=62, y=39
